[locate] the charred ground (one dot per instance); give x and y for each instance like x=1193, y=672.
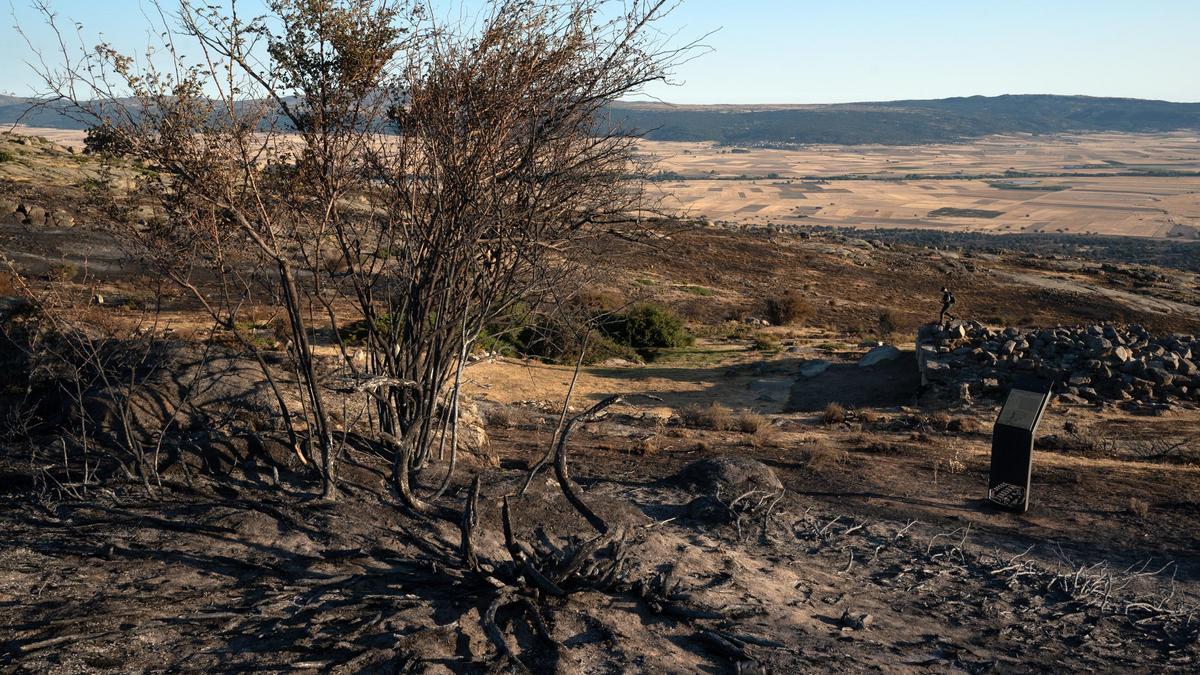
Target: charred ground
x=878, y=551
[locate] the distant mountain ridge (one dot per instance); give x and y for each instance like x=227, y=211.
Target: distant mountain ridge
x=888, y=122
x=903, y=122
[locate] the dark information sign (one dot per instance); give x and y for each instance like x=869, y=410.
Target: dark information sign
x=1012, y=444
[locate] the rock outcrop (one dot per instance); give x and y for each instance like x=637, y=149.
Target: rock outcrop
x=1091, y=364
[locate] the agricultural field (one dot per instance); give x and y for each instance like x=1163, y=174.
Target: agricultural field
x=1113, y=184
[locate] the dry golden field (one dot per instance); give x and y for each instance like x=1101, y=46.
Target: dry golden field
x=807, y=186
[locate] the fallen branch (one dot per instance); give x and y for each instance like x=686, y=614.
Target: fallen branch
x=560, y=463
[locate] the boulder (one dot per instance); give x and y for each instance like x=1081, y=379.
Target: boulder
x=728, y=476
x=1159, y=375
x=34, y=215
x=879, y=355
x=709, y=509
x=472, y=433
x=62, y=219
x=10, y=305
x=814, y=368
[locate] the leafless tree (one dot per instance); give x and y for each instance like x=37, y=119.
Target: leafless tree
x=357, y=162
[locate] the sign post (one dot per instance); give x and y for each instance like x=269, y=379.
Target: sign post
x=1012, y=445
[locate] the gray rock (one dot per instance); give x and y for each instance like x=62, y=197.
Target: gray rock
x=62, y=219
x=34, y=215
x=12, y=305
x=879, y=355
x=855, y=620
x=728, y=475
x=814, y=368
x=1159, y=376
x=709, y=509
x=1099, y=344
x=935, y=368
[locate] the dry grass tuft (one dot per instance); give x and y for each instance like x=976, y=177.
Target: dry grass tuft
x=963, y=425
x=955, y=464
x=712, y=416
x=788, y=309
x=498, y=416
x=766, y=436
x=750, y=422
x=648, y=445
x=823, y=457
x=677, y=432
x=835, y=413
x=1138, y=507
x=870, y=417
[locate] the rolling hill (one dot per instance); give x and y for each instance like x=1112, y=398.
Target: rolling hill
x=902, y=122
x=892, y=122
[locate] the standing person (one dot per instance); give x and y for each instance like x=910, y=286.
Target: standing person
x=947, y=303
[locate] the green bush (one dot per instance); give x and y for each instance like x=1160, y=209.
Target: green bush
x=632, y=335
x=765, y=342
x=647, y=326
x=105, y=139
x=356, y=332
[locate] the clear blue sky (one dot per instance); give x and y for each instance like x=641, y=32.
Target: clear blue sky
x=796, y=51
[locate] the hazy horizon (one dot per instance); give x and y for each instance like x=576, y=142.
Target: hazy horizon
x=893, y=100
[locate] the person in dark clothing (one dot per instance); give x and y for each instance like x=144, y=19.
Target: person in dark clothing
x=947, y=303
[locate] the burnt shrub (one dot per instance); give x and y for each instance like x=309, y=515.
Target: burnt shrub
x=835, y=413
x=787, y=309
x=889, y=324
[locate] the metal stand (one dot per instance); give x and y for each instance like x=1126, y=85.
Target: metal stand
x=1012, y=445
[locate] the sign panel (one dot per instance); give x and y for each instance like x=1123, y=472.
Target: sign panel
x=1022, y=409
x=1012, y=445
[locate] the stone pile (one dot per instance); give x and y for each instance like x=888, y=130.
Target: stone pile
x=1091, y=364
x=27, y=213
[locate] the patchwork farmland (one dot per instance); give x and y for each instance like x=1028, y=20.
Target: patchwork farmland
x=1113, y=184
